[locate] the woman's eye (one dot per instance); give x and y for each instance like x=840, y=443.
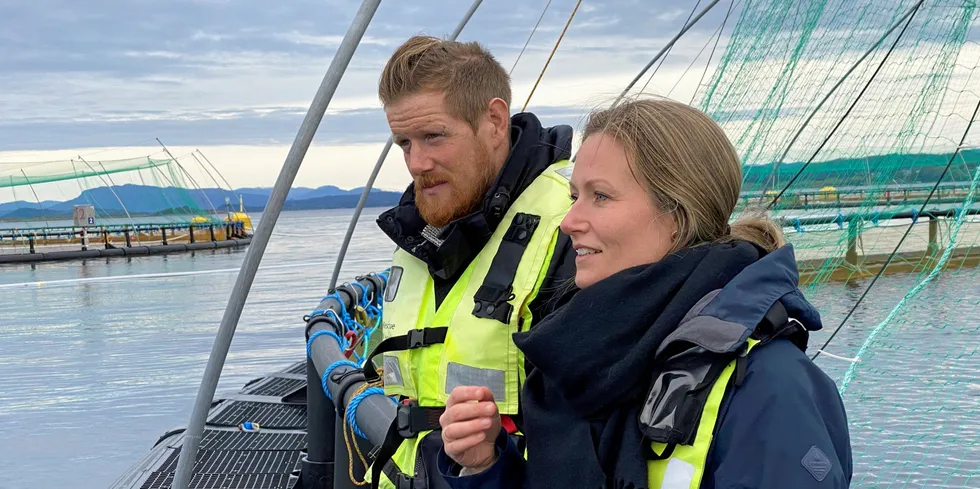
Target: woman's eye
x=600, y=196
x=573, y=197
x=429, y=137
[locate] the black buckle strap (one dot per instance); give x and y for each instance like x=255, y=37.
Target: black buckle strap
x=494, y=295
x=416, y=338
x=777, y=324
x=413, y=419
x=652, y=455
x=400, y=479
x=410, y=420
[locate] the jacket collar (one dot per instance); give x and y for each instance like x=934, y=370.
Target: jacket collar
x=725, y=318
x=532, y=150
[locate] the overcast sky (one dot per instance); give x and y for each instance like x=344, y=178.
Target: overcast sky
x=235, y=77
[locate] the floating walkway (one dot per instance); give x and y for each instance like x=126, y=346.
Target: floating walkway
x=71, y=243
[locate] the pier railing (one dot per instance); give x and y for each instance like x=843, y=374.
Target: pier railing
x=31, y=239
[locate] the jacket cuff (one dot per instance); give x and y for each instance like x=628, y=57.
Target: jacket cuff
x=509, y=464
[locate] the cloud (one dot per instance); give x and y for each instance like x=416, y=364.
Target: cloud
x=223, y=74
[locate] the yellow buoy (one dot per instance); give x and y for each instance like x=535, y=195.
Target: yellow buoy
x=240, y=217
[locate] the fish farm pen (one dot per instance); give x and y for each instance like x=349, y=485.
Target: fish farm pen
x=120, y=207
x=67, y=243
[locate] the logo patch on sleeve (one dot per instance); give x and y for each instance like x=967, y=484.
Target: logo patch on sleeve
x=817, y=463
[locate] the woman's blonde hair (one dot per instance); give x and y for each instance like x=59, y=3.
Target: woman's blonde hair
x=689, y=167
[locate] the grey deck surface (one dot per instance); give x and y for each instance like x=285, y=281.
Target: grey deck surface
x=233, y=459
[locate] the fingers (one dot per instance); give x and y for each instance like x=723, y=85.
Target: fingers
x=467, y=411
x=462, y=429
x=463, y=394
x=457, y=448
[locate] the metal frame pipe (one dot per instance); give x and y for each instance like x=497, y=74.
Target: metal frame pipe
x=867, y=216
x=250, y=265
x=374, y=413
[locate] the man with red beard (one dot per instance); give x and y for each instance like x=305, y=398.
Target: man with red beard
x=479, y=257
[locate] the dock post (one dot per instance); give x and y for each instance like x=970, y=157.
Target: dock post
x=84, y=240
x=105, y=238
x=191, y=228
x=211, y=230
x=163, y=234
x=318, y=467
x=852, y=233
x=129, y=239
x=933, y=236
x=30, y=240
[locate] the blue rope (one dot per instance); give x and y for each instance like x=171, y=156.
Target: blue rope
x=351, y=413
x=309, y=343
x=330, y=368
x=363, y=295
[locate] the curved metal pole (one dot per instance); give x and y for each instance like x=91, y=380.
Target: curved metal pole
x=223, y=179
x=110, y=185
x=335, y=275
x=215, y=180
x=194, y=182
x=39, y=206
x=665, y=49
x=222, y=342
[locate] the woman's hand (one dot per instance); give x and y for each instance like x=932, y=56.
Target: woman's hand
x=469, y=428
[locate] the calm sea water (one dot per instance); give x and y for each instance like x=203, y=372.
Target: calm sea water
x=99, y=358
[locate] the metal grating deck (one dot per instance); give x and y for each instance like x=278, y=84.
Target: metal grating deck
x=239, y=462
x=299, y=368
x=241, y=440
x=267, y=415
x=276, y=387
x=163, y=480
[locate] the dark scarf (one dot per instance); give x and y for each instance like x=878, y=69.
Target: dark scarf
x=592, y=361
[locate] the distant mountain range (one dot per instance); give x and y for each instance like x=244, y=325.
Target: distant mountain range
x=148, y=200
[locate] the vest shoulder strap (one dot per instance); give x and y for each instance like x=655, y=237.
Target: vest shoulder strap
x=494, y=295
x=680, y=388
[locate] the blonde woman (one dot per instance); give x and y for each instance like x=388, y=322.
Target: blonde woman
x=680, y=362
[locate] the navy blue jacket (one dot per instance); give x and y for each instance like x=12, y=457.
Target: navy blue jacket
x=784, y=427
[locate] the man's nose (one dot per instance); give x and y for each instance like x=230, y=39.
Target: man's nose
x=418, y=161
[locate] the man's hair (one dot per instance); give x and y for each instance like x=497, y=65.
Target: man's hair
x=468, y=75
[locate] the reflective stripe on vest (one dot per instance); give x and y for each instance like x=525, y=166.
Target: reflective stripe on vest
x=684, y=468
x=476, y=350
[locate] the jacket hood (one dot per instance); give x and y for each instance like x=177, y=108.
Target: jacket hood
x=533, y=148
x=727, y=317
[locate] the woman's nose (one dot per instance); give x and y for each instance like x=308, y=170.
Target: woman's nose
x=574, y=222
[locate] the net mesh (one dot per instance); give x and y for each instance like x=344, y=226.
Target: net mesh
x=122, y=191
x=851, y=112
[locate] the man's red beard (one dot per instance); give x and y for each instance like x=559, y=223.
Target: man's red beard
x=466, y=191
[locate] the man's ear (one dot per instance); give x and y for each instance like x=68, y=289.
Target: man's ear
x=498, y=114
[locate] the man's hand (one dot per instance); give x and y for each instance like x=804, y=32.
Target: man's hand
x=470, y=426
